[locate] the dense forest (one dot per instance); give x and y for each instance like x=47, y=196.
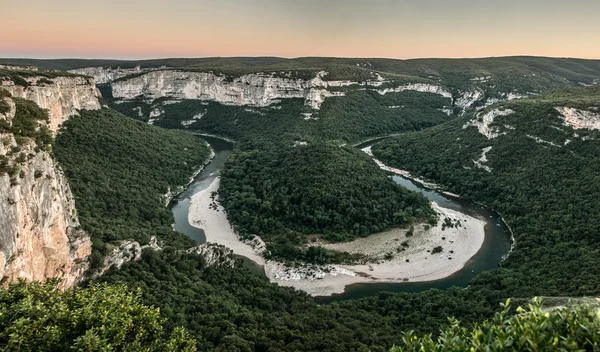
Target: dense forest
x=338, y=193
x=229, y=309
x=119, y=170
x=354, y=117
x=543, y=179
x=37, y=317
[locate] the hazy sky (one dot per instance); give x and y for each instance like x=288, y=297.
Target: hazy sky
x=292, y=28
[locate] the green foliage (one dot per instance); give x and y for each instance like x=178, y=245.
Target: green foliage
x=26, y=123
x=38, y=317
x=357, y=116
x=548, y=194
x=19, y=77
x=4, y=107
x=119, y=169
x=286, y=194
x=572, y=328
x=227, y=308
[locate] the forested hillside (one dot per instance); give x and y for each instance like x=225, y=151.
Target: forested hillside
x=549, y=72
x=234, y=309
x=337, y=193
x=357, y=116
x=534, y=160
x=540, y=171
x=119, y=170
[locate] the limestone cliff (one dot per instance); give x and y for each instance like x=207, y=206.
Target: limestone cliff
x=256, y=89
x=61, y=96
x=40, y=234
x=106, y=74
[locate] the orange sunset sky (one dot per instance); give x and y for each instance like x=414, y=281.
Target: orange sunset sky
x=345, y=28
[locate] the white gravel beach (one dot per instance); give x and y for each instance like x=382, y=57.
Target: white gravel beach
x=410, y=262
x=213, y=221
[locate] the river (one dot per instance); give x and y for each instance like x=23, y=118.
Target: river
x=496, y=244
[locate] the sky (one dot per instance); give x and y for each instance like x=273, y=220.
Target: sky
x=137, y=29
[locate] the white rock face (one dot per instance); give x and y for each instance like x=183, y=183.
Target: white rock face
x=62, y=98
x=539, y=140
x=257, y=89
x=105, y=75
x=514, y=95
x=482, y=79
x=419, y=87
x=483, y=122
x=467, y=99
x=40, y=235
x=125, y=252
x=214, y=254
x=483, y=159
x=578, y=118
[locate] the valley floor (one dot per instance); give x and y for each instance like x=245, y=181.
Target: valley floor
x=411, y=262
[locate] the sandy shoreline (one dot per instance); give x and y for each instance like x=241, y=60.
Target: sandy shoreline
x=216, y=226
x=459, y=243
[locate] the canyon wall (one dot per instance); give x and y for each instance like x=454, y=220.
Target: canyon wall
x=255, y=89
x=61, y=96
x=40, y=234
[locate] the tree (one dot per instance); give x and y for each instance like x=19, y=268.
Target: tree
x=38, y=317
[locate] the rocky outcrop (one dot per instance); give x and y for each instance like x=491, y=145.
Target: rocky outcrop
x=104, y=75
x=257, y=89
x=419, y=87
x=61, y=96
x=126, y=251
x=40, y=234
x=483, y=121
x=578, y=118
x=467, y=99
x=483, y=159
x=214, y=254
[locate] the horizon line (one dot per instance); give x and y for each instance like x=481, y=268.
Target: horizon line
x=292, y=58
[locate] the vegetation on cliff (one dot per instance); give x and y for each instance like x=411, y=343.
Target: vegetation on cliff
x=28, y=124
x=119, y=171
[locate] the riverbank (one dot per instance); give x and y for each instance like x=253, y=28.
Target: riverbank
x=407, y=174
x=168, y=197
x=398, y=258
x=208, y=215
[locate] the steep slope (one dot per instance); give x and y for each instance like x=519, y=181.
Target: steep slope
x=40, y=235
x=148, y=90
x=536, y=162
x=122, y=173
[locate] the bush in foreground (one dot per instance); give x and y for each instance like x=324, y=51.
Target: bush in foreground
x=38, y=317
x=572, y=328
